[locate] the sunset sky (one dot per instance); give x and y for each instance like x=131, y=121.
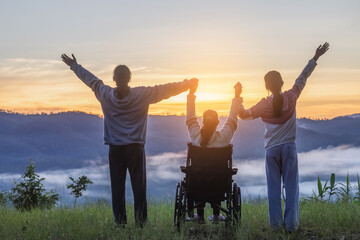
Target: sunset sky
x=219, y=42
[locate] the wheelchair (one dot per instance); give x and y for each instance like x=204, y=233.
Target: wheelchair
x=208, y=179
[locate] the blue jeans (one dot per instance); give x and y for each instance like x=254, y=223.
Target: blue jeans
x=282, y=161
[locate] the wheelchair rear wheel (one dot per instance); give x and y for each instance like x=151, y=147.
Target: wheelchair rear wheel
x=180, y=205
x=176, y=208
x=236, y=202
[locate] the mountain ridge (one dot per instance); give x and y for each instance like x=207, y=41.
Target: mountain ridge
x=72, y=139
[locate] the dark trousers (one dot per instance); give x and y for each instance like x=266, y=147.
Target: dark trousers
x=121, y=158
x=200, y=209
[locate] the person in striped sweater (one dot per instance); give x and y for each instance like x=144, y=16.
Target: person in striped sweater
x=208, y=136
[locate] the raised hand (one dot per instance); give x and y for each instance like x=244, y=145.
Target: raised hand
x=238, y=89
x=243, y=113
x=67, y=60
x=321, y=50
x=193, y=85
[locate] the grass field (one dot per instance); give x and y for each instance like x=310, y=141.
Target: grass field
x=95, y=221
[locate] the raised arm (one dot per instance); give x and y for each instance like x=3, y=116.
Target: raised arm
x=98, y=87
x=253, y=112
x=191, y=119
x=230, y=125
x=160, y=92
x=244, y=114
x=321, y=50
x=301, y=80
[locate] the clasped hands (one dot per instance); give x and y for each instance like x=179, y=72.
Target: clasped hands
x=194, y=82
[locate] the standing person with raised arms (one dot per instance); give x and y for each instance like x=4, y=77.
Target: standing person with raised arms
x=278, y=112
x=125, y=112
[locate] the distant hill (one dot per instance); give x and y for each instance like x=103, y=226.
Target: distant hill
x=75, y=139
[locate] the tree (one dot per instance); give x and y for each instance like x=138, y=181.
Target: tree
x=30, y=193
x=3, y=198
x=78, y=186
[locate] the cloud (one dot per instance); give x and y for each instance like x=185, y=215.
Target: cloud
x=163, y=171
x=166, y=166
x=6, y=178
x=339, y=160
x=21, y=67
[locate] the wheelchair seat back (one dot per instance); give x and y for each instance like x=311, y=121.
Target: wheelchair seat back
x=209, y=174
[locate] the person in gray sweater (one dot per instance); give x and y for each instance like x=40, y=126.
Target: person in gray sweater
x=125, y=112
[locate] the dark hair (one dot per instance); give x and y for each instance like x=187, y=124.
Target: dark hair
x=122, y=76
x=274, y=83
x=210, y=122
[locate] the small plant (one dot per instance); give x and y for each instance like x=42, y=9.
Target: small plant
x=357, y=194
x=332, y=188
x=345, y=190
x=322, y=190
x=78, y=186
x=313, y=198
x=30, y=193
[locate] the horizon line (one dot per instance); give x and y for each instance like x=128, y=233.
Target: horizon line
x=161, y=115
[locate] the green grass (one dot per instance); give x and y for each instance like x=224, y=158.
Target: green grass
x=317, y=220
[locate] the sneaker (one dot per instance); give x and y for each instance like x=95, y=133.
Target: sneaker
x=216, y=218
x=199, y=219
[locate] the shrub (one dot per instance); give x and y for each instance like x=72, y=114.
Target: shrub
x=3, y=198
x=30, y=193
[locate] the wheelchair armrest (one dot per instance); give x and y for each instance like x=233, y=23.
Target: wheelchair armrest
x=183, y=169
x=234, y=171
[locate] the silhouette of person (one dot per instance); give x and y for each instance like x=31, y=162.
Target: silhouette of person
x=207, y=136
x=278, y=112
x=125, y=112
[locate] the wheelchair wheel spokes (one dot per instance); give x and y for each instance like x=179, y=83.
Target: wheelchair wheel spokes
x=239, y=201
x=229, y=215
x=236, y=202
x=180, y=205
x=176, y=208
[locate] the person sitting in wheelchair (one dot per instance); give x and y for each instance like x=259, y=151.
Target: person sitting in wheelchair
x=208, y=136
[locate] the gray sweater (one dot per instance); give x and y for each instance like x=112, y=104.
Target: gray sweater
x=125, y=119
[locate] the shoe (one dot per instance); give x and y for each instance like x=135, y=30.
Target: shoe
x=216, y=218
x=199, y=219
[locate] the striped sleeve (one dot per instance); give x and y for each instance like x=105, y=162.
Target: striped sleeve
x=230, y=125
x=191, y=119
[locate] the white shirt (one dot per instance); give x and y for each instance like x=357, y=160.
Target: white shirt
x=220, y=138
